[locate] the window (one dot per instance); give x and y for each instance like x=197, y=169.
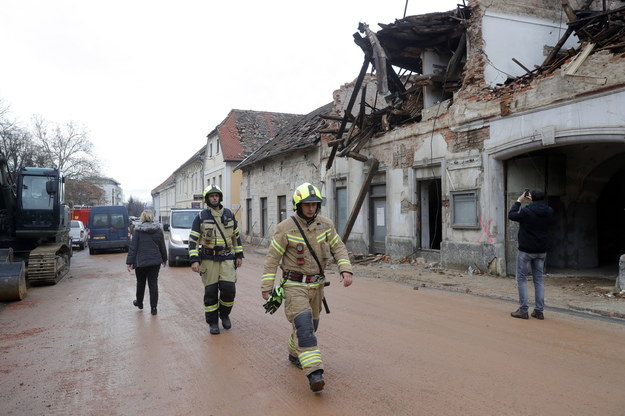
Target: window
x=219, y=181
x=248, y=220
x=210, y=150
x=263, y=217
x=464, y=209
x=281, y=208
x=217, y=147
x=341, y=209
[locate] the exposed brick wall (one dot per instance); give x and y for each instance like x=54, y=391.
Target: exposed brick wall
x=473, y=83
x=466, y=140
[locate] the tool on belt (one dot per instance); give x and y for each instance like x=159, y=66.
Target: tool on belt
x=325, y=302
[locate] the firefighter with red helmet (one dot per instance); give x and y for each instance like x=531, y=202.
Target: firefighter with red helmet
x=215, y=251
x=302, y=246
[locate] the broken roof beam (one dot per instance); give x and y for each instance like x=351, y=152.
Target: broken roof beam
x=348, y=110
x=556, y=49
x=379, y=58
x=568, y=10
x=529, y=72
x=360, y=199
x=393, y=80
x=456, y=58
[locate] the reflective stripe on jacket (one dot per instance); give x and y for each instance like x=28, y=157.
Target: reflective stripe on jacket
x=283, y=252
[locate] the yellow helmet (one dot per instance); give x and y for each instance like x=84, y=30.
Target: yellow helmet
x=213, y=189
x=306, y=193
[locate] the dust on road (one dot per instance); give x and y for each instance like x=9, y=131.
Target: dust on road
x=80, y=347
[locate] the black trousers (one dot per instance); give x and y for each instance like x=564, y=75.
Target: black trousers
x=149, y=274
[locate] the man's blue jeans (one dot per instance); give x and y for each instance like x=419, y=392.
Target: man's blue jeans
x=535, y=261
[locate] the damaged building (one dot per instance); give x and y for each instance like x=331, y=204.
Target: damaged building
x=452, y=115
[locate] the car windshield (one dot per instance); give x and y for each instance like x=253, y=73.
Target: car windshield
x=75, y=224
x=182, y=219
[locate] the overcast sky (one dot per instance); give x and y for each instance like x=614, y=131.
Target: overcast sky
x=150, y=79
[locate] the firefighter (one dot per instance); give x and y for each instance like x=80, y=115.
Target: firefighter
x=303, y=278
x=215, y=251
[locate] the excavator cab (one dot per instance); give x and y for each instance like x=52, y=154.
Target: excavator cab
x=41, y=213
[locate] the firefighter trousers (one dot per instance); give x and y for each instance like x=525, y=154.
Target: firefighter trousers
x=303, y=304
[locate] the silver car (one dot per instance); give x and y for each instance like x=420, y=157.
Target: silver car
x=78, y=233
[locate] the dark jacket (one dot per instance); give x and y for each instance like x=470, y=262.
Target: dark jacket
x=534, y=221
x=147, y=247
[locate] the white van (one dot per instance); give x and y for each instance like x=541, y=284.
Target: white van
x=180, y=222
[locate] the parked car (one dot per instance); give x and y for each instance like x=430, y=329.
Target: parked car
x=179, y=229
x=78, y=232
x=109, y=228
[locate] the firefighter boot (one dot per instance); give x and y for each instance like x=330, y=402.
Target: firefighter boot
x=226, y=300
x=211, y=320
x=315, y=379
x=225, y=322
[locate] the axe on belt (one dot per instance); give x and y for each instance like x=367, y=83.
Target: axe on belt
x=325, y=302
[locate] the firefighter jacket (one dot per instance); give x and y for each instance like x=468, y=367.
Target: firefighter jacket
x=215, y=236
x=289, y=250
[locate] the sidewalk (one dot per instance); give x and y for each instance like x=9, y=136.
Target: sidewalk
x=566, y=291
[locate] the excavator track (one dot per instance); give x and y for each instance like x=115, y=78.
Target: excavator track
x=48, y=264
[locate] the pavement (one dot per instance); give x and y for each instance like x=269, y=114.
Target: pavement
x=586, y=293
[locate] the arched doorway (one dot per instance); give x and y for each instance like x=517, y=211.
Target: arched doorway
x=585, y=184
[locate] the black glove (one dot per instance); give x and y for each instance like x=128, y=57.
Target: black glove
x=275, y=300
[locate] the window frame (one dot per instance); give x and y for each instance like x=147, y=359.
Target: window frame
x=474, y=197
x=264, y=226
x=282, y=204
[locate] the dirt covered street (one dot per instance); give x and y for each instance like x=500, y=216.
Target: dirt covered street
x=390, y=348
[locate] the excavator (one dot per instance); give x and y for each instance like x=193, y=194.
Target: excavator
x=35, y=247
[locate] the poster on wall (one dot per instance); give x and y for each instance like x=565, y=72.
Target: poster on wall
x=379, y=217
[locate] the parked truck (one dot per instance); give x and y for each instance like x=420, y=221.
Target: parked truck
x=34, y=230
x=80, y=214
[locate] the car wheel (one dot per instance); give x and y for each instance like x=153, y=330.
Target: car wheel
x=81, y=246
x=91, y=251
x=172, y=263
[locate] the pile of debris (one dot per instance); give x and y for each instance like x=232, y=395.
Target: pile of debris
x=596, y=31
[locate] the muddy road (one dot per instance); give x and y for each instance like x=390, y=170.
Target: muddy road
x=81, y=348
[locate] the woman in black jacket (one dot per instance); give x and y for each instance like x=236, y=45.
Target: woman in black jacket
x=146, y=254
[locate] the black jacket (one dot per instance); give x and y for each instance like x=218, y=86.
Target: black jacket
x=147, y=247
x=534, y=221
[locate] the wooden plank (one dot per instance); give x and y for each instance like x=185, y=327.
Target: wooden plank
x=579, y=59
x=522, y=66
x=357, y=156
x=364, y=190
x=549, y=59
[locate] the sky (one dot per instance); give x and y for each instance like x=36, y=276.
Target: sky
x=150, y=79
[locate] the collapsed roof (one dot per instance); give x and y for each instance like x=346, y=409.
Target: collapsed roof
x=302, y=133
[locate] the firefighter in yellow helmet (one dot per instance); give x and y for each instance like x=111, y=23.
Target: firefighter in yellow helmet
x=303, y=278
x=215, y=251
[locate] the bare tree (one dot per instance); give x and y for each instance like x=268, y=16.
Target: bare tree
x=66, y=147
x=17, y=144
x=83, y=193
x=134, y=206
